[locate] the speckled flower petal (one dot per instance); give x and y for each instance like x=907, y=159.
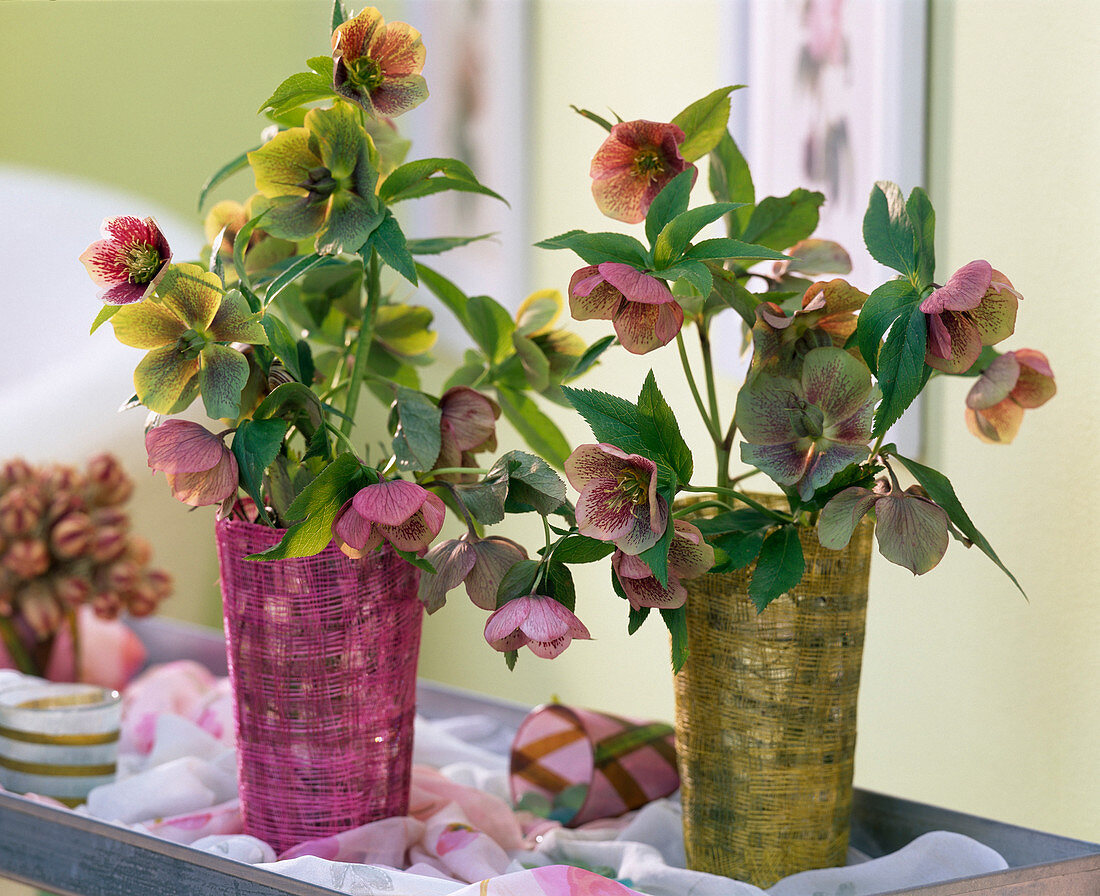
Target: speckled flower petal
x=856, y=429
x=1036, y=385
x=591, y=297
x=146, y=325
x=212, y=486
x=191, y=293
x=495, y=556
x=234, y=321
x=398, y=48
x=181, y=446
x=648, y=527
x=350, y=38
x=995, y=383
x=634, y=285
x=764, y=409
x=964, y=290
x=351, y=528
x=825, y=464
x=838, y=519
x=689, y=555
x=963, y=342
x=641, y=328
x=351, y=220
x=995, y=318
x=835, y=381
x=161, y=377
x=283, y=163
x=785, y=462
x=502, y=628
x=223, y=376
x=634, y=163
x=588, y=463
x=295, y=218
x=997, y=425
x=911, y=531
x=602, y=513
x=398, y=95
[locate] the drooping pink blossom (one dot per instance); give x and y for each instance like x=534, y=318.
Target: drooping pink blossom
x=378, y=65
x=199, y=468
x=618, y=499
x=403, y=513
x=479, y=563
x=467, y=426
x=689, y=556
x=976, y=307
x=1014, y=382
x=539, y=622
x=129, y=259
x=633, y=165
x=642, y=308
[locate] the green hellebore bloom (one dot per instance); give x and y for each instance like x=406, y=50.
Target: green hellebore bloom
x=321, y=179
x=185, y=329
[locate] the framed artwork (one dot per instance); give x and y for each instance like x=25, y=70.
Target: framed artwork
x=835, y=101
x=470, y=118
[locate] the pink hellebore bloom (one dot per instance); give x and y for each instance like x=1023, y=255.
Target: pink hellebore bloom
x=480, y=563
x=402, y=513
x=378, y=65
x=540, y=622
x=1013, y=382
x=633, y=165
x=199, y=468
x=618, y=497
x=642, y=309
x=688, y=556
x=976, y=307
x=129, y=260
x=468, y=425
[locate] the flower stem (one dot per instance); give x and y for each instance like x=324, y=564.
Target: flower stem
x=736, y=495
x=711, y=427
x=363, y=341
x=432, y=475
x=16, y=649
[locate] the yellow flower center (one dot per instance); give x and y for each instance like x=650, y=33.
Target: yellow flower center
x=648, y=163
x=365, y=74
x=633, y=487
x=142, y=262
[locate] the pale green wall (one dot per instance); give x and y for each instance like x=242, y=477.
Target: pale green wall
x=972, y=698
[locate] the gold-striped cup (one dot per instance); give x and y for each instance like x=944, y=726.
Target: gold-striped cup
x=58, y=740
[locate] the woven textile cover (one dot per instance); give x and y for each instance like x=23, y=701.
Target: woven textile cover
x=623, y=763
x=322, y=657
x=766, y=717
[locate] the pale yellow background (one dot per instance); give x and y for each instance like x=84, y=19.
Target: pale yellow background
x=972, y=698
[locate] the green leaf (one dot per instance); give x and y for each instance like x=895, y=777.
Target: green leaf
x=538, y=430
x=940, y=490
x=426, y=176
x=694, y=272
x=223, y=173
x=596, y=248
x=316, y=508
x=731, y=181
x=733, y=293
x=559, y=582
x=292, y=273
x=256, y=445
x=290, y=401
x=738, y=533
x=923, y=217
x=519, y=581
x=297, y=90
x=438, y=245
x=676, y=623
x=902, y=372
x=388, y=241
x=888, y=230
x=282, y=344
x=725, y=247
x=656, y=557
x=780, y=222
x=532, y=484
x=671, y=201
x=592, y=116
x=485, y=499
x=704, y=122
x=417, y=441
x=339, y=14
x=240, y=245
x=636, y=617
x=779, y=567
x=323, y=65
x=590, y=357
x=882, y=308
x=582, y=549
x=661, y=432
x=444, y=290
x=679, y=232
x=491, y=327
x=105, y=314
x=613, y=420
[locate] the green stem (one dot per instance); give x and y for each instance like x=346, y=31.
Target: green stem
x=431, y=475
x=721, y=446
x=698, y=505
x=711, y=427
x=16, y=649
x=729, y=492
x=363, y=341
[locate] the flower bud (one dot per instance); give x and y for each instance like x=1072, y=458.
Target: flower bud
x=71, y=535
x=57, y=478
x=27, y=558
x=108, y=483
x=161, y=582
x=72, y=591
x=15, y=472
x=40, y=609
x=139, y=551
x=122, y=576
x=106, y=604
x=64, y=502
x=107, y=544
x=21, y=509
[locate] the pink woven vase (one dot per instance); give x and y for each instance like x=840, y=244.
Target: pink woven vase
x=322, y=657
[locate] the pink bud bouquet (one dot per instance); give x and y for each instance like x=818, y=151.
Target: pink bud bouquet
x=294, y=313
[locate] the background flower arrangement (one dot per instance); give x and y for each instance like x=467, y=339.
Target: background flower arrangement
x=810, y=414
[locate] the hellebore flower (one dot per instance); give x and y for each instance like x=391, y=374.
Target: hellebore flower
x=540, y=622
x=378, y=65
x=468, y=425
x=642, y=309
x=199, y=468
x=688, y=556
x=976, y=307
x=320, y=179
x=827, y=317
x=402, y=513
x=129, y=261
x=185, y=330
x=804, y=431
x=911, y=529
x=1013, y=382
x=263, y=249
x=618, y=497
x=480, y=563
x=633, y=165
